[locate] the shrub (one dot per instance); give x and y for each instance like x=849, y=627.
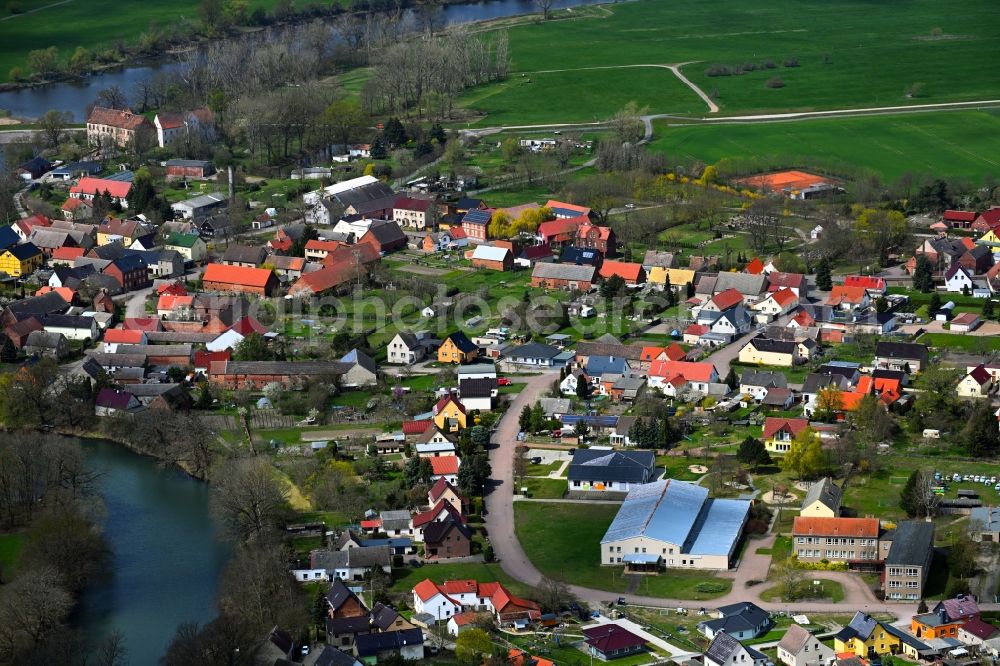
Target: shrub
x=791, y=62
x=769, y=64
x=775, y=82
x=710, y=588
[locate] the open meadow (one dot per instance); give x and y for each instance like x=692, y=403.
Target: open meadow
x=962, y=144
x=828, y=55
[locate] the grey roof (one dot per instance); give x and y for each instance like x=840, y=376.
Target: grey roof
x=571, y=272
x=533, y=350
x=606, y=465
x=794, y=639
x=901, y=350
x=773, y=346
x=211, y=199
x=680, y=513
x=369, y=645
x=437, y=530
x=44, y=340
x=764, y=378
x=861, y=626
x=66, y=321
x=663, y=259
x=601, y=348
x=365, y=556
x=745, y=283
x=287, y=367
x=383, y=616
x=356, y=624
x=554, y=405
x=911, y=544
x=724, y=647
x=476, y=388
x=826, y=492
x=244, y=254
x=816, y=381
x=38, y=305
x=629, y=383
x=408, y=339
x=987, y=516
x=331, y=656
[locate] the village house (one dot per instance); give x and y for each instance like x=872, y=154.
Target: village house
x=451, y=597
x=854, y=541
x=799, y=647
x=450, y=414
x=114, y=127
x=958, y=280
x=405, y=349
x=446, y=539
x=111, y=402
x=744, y=620
x=677, y=278
x=255, y=375
x=611, y=641
x=757, y=383
x=848, y=298
x=46, y=344
x=906, y=356
x=765, y=351
x=197, y=208
x=237, y=279
x=633, y=274
x=822, y=500
x=977, y=383
x=724, y=650
x=244, y=255
x=492, y=258
x=780, y=431
x=170, y=126
x=563, y=276
x=675, y=377
x=179, y=169
x=909, y=561
x=190, y=246
x=21, y=260
x=593, y=237
x=605, y=470
x=88, y=188
x=384, y=237
x=867, y=637
x=411, y=213
x=476, y=225
x=457, y=348
x=776, y=303
x=478, y=394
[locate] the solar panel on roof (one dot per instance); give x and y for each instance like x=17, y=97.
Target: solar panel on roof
x=478, y=216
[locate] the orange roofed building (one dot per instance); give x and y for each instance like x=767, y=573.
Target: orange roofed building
x=239, y=279
x=851, y=540
x=633, y=274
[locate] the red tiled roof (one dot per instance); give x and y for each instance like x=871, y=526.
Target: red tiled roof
x=237, y=275
x=628, y=271
x=564, y=226
x=72, y=204
x=204, y=359
x=142, y=323
x=416, y=427
x=176, y=288
x=803, y=318
x=67, y=293
x=980, y=374
x=443, y=402
x=426, y=589
x=979, y=628
x=698, y=372
x=991, y=217
x=116, y=188
x=323, y=245
x=457, y=233
x=248, y=325
x=121, y=118
x=727, y=299
x=696, y=329
x=439, y=487
x=432, y=514
x=755, y=267
x=584, y=231
x=173, y=301
x=444, y=465
x=465, y=586
x=784, y=297
x=844, y=527
x=841, y=294
x=607, y=638
x=778, y=280
x=124, y=336
x=960, y=215
x=865, y=282
x=775, y=424
x=409, y=203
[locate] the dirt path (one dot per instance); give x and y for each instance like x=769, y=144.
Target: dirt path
x=676, y=69
x=36, y=9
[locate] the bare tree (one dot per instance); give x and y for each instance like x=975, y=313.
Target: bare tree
x=112, y=98
x=31, y=606
x=112, y=651
x=52, y=125
x=545, y=6
x=247, y=498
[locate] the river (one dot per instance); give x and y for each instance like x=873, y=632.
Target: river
x=73, y=96
x=166, y=557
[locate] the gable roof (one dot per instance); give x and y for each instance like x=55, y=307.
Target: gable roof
x=979, y=628
x=764, y=378
x=727, y=299
x=697, y=372
x=120, y=118
x=237, y=275
x=118, y=189
x=865, y=282
x=244, y=254
x=775, y=424
x=444, y=465
x=911, y=543
x=438, y=530
x=369, y=645
x=630, y=272
x=743, y=616
x=795, y=639
x=724, y=648
x=901, y=350
x=841, y=294
x=462, y=342
x=769, y=346
x=490, y=253
x=570, y=272
x=609, y=638
x=745, y=283
x=826, y=492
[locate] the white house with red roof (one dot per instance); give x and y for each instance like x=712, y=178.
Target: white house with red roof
x=875, y=286
x=776, y=304
x=445, y=467
x=236, y=333
x=441, y=511
x=121, y=336
x=673, y=377
x=795, y=281
x=977, y=383
x=88, y=188
x=455, y=596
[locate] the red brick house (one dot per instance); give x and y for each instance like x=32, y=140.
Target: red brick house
x=256, y=375
x=476, y=225
x=239, y=279
x=959, y=219
x=988, y=219
x=493, y=258
x=447, y=538
x=130, y=271
x=978, y=260
x=563, y=276
x=384, y=238
x=189, y=169
x=597, y=238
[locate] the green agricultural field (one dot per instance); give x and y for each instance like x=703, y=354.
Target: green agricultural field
x=962, y=144
x=976, y=344
x=563, y=541
x=93, y=24
x=849, y=54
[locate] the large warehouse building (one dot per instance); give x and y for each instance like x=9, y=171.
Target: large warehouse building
x=674, y=524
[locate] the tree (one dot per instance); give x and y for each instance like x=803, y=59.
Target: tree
x=553, y=595
x=934, y=304
x=44, y=61
x=923, y=274
x=394, y=133
x=582, y=387
x=417, y=471
x=753, y=452
x=112, y=97
x=248, y=498
x=917, y=498
x=545, y=6
x=790, y=579
x=142, y=193
x=922, y=607
x=627, y=124
x=823, y=280
x=871, y=421
x=613, y=286
x=939, y=406
x=258, y=586
x=988, y=309
x=524, y=419
x=52, y=124
x=473, y=474
x=881, y=304
x=480, y=437
x=806, y=457
x=980, y=435
x=344, y=119
x=472, y=645
x=961, y=554
x=254, y=347
x=879, y=231
x=829, y=401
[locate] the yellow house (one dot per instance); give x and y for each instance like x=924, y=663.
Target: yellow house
x=866, y=637
x=822, y=500
x=449, y=414
x=991, y=237
x=457, y=348
x=21, y=260
x=114, y=229
x=764, y=351
x=679, y=277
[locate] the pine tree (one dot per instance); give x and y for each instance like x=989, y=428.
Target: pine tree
x=823, y=280
x=923, y=275
x=690, y=289
x=988, y=309
x=524, y=420
x=582, y=387
x=319, y=613
x=935, y=304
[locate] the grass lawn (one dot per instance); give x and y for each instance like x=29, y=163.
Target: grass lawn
x=421, y=382
x=678, y=467
x=975, y=344
x=10, y=549
x=356, y=399
x=565, y=651
x=850, y=54
x=405, y=579
x=545, y=469
x=563, y=541
x=961, y=143
x=795, y=375
x=828, y=589
x=92, y=24
x=545, y=488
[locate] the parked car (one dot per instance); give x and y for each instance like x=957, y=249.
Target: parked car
x=503, y=381
x=537, y=460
